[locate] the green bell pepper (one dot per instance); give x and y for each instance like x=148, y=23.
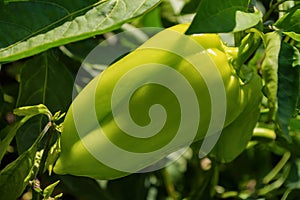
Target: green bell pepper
x=97, y=121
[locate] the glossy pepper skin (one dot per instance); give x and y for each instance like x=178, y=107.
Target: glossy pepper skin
x=75, y=159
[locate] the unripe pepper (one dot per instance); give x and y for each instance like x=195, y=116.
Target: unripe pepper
x=76, y=159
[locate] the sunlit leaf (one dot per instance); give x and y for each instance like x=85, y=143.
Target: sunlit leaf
x=227, y=16
x=270, y=69
x=54, y=23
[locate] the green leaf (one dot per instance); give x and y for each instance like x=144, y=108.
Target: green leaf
x=57, y=116
x=54, y=23
x=43, y=80
x=190, y=7
x=52, y=156
x=15, y=176
x=1, y=101
x=10, y=132
x=28, y=133
x=57, y=197
x=12, y=176
x=293, y=35
x=79, y=50
x=152, y=18
x=296, y=57
x=288, y=87
x=270, y=69
x=295, y=125
x=227, y=16
x=32, y=110
x=290, y=24
x=49, y=189
x=80, y=187
x=127, y=188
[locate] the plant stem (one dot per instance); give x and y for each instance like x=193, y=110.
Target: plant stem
x=46, y=149
x=169, y=185
x=277, y=168
x=35, y=195
x=276, y=184
x=50, y=129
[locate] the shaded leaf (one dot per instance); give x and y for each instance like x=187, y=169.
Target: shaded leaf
x=12, y=176
x=80, y=187
x=54, y=23
x=228, y=16
x=130, y=187
x=10, y=132
x=79, y=50
x=28, y=133
x=43, y=80
x=288, y=87
x=9, y=85
x=201, y=182
x=1, y=101
x=190, y=7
